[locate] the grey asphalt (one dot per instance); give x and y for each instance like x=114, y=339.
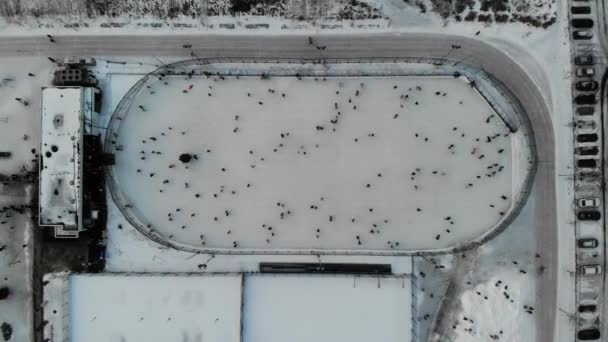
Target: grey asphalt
x=524, y=85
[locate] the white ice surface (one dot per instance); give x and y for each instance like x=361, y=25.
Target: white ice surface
x=306, y=308
x=268, y=177
x=154, y=308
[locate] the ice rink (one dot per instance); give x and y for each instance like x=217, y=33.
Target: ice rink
x=301, y=163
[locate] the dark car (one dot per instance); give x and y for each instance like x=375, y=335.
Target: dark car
x=586, y=85
x=585, y=110
x=589, y=215
x=585, y=99
x=592, y=137
x=587, y=243
x=580, y=10
x=586, y=163
x=588, y=151
x=583, y=60
x=582, y=35
x=582, y=23
x=589, y=334
x=587, y=308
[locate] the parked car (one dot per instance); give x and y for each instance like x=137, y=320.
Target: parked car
x=589, y=215
x=583, y=60
x=580, y=10
x=586, y=86
x=590, y=270
x=585, y=72
x=586, y=124
x=582, y=35
x=585, y=110
x=587, y=308
x=587, y=243
x=582, y=138
x=586, y=163
x=588, y=202
x=594, y=175
x=582, y=23
x=588, y=99
x=589, y=334
x=588, y=151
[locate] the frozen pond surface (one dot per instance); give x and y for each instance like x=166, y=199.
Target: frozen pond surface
x=342, y=163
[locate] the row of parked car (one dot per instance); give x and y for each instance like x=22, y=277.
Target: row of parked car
x=588, y=170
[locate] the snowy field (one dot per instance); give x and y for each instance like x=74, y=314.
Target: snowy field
x=327, y=308
x=340, y=163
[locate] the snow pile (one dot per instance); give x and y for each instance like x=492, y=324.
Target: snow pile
x=314, y=163
x=481, y=319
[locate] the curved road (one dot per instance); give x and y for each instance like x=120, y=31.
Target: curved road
x=524, y=85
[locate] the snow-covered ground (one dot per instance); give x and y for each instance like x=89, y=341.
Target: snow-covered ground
x=314, y=163
x=16, y=266
x=490, y=293
x=19, y=134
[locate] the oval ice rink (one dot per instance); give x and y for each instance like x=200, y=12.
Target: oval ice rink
x=304, y=163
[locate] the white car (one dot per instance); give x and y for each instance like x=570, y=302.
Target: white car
x=585, y=72
x=588, y=202
x=590, y=270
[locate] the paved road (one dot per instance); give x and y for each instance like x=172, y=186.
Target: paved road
x=471, y=51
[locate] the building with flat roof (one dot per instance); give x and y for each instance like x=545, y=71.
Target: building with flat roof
x=228, y=307
x=68, y=113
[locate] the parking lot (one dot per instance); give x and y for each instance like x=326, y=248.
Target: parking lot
x=589, y=65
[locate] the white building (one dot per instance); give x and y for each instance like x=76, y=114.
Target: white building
x=67, y=114
x=228, y=307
